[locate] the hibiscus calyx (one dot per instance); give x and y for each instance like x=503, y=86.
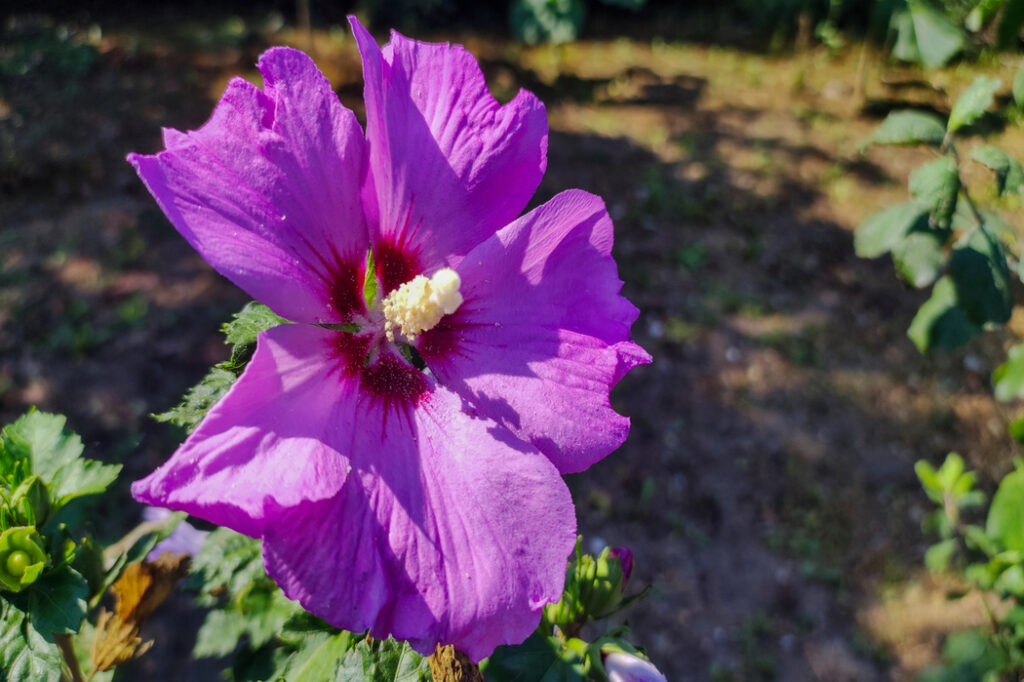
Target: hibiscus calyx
x=419, y=304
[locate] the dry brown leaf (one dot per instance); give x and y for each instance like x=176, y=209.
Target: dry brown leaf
x=144, y=586
x=137, y=593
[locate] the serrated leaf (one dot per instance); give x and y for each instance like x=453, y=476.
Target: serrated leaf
x=385, y=660
x=937, y=39
x=57, y=602
x=228, y=562
x=199, y=399
x=974, y=102
x=1005, y=523
x=938, y=556
x=909, y=127
x=981, y=278
x=247, y=323
x=1008, y=378
x=882, y=231
x=919, y=257
x=539, y=658
x=55, y=455
x=1008, y=171
x=940, y=323
x=24, y=653
x=934, y=187
x=219, y=634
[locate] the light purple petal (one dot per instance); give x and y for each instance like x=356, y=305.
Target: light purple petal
x=184, y=539
x=542, y=336
x=623, y=667
x=442, y=533
x=274, y=438
x=448, y=165
x=268, y=190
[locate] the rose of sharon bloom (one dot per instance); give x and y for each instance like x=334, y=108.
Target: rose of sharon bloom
x=399, y=456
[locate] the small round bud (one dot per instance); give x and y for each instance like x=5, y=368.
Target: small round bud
x=22, y=558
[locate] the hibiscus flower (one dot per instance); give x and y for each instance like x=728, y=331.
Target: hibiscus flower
x=399, y=446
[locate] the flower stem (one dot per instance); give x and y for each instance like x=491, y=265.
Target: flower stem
x=67, y=650
x=449, y=665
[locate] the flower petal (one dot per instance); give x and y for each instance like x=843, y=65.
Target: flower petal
x=448, y=165
x=275, y=437
x=268, y=189
x=542, y=336
x=447, y=531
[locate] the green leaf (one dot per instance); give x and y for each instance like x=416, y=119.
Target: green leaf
x=228, y=562
x=553, y=21
x=219, y=634
x=919, y=257
x=937, y=39
x=1011, y=581
x=57, y=602
x=940, y=323
x=881, y=232
x=1010, y=23
x=243, y=330
x=321, y=662
x=1009, y=174
x=1005, y=523
x=934, y=187
x=977, y=539
x=1018, y=84
x=981, y=278
x=55, y=455
x=24, y=653
x=1008, y=378
x=929, y=479
x=1016, y=430
x=909, y=127
x=199, y=399
x=539, y=658
x=370, y=281
x=247, y=323
x=975, y=100
x=937, y=557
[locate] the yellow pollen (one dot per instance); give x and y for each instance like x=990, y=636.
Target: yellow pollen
x=419, y=304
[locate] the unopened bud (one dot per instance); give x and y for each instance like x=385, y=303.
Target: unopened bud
x=626, y=667
x=22, y=558
x=31, y=501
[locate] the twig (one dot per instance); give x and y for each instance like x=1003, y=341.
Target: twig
x=67, y=650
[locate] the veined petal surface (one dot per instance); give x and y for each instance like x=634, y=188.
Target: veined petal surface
x=449, y=165
x=542, y=336
x=268, y=190
x=447, y=530
x=276, y=437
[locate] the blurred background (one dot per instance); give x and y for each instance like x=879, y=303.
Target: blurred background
x=767, y=488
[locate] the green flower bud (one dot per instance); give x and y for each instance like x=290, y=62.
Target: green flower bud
x=31, y=501
x=602, y=584
x=22, y=558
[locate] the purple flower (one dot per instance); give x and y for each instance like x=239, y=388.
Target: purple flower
x=184, y=539
x=399, y=453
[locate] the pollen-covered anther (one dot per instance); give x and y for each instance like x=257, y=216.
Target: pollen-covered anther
x=420, y=303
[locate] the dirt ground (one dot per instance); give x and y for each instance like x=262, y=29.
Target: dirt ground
x=767, y=487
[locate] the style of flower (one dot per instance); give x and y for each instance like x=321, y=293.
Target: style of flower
x=399, y=446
